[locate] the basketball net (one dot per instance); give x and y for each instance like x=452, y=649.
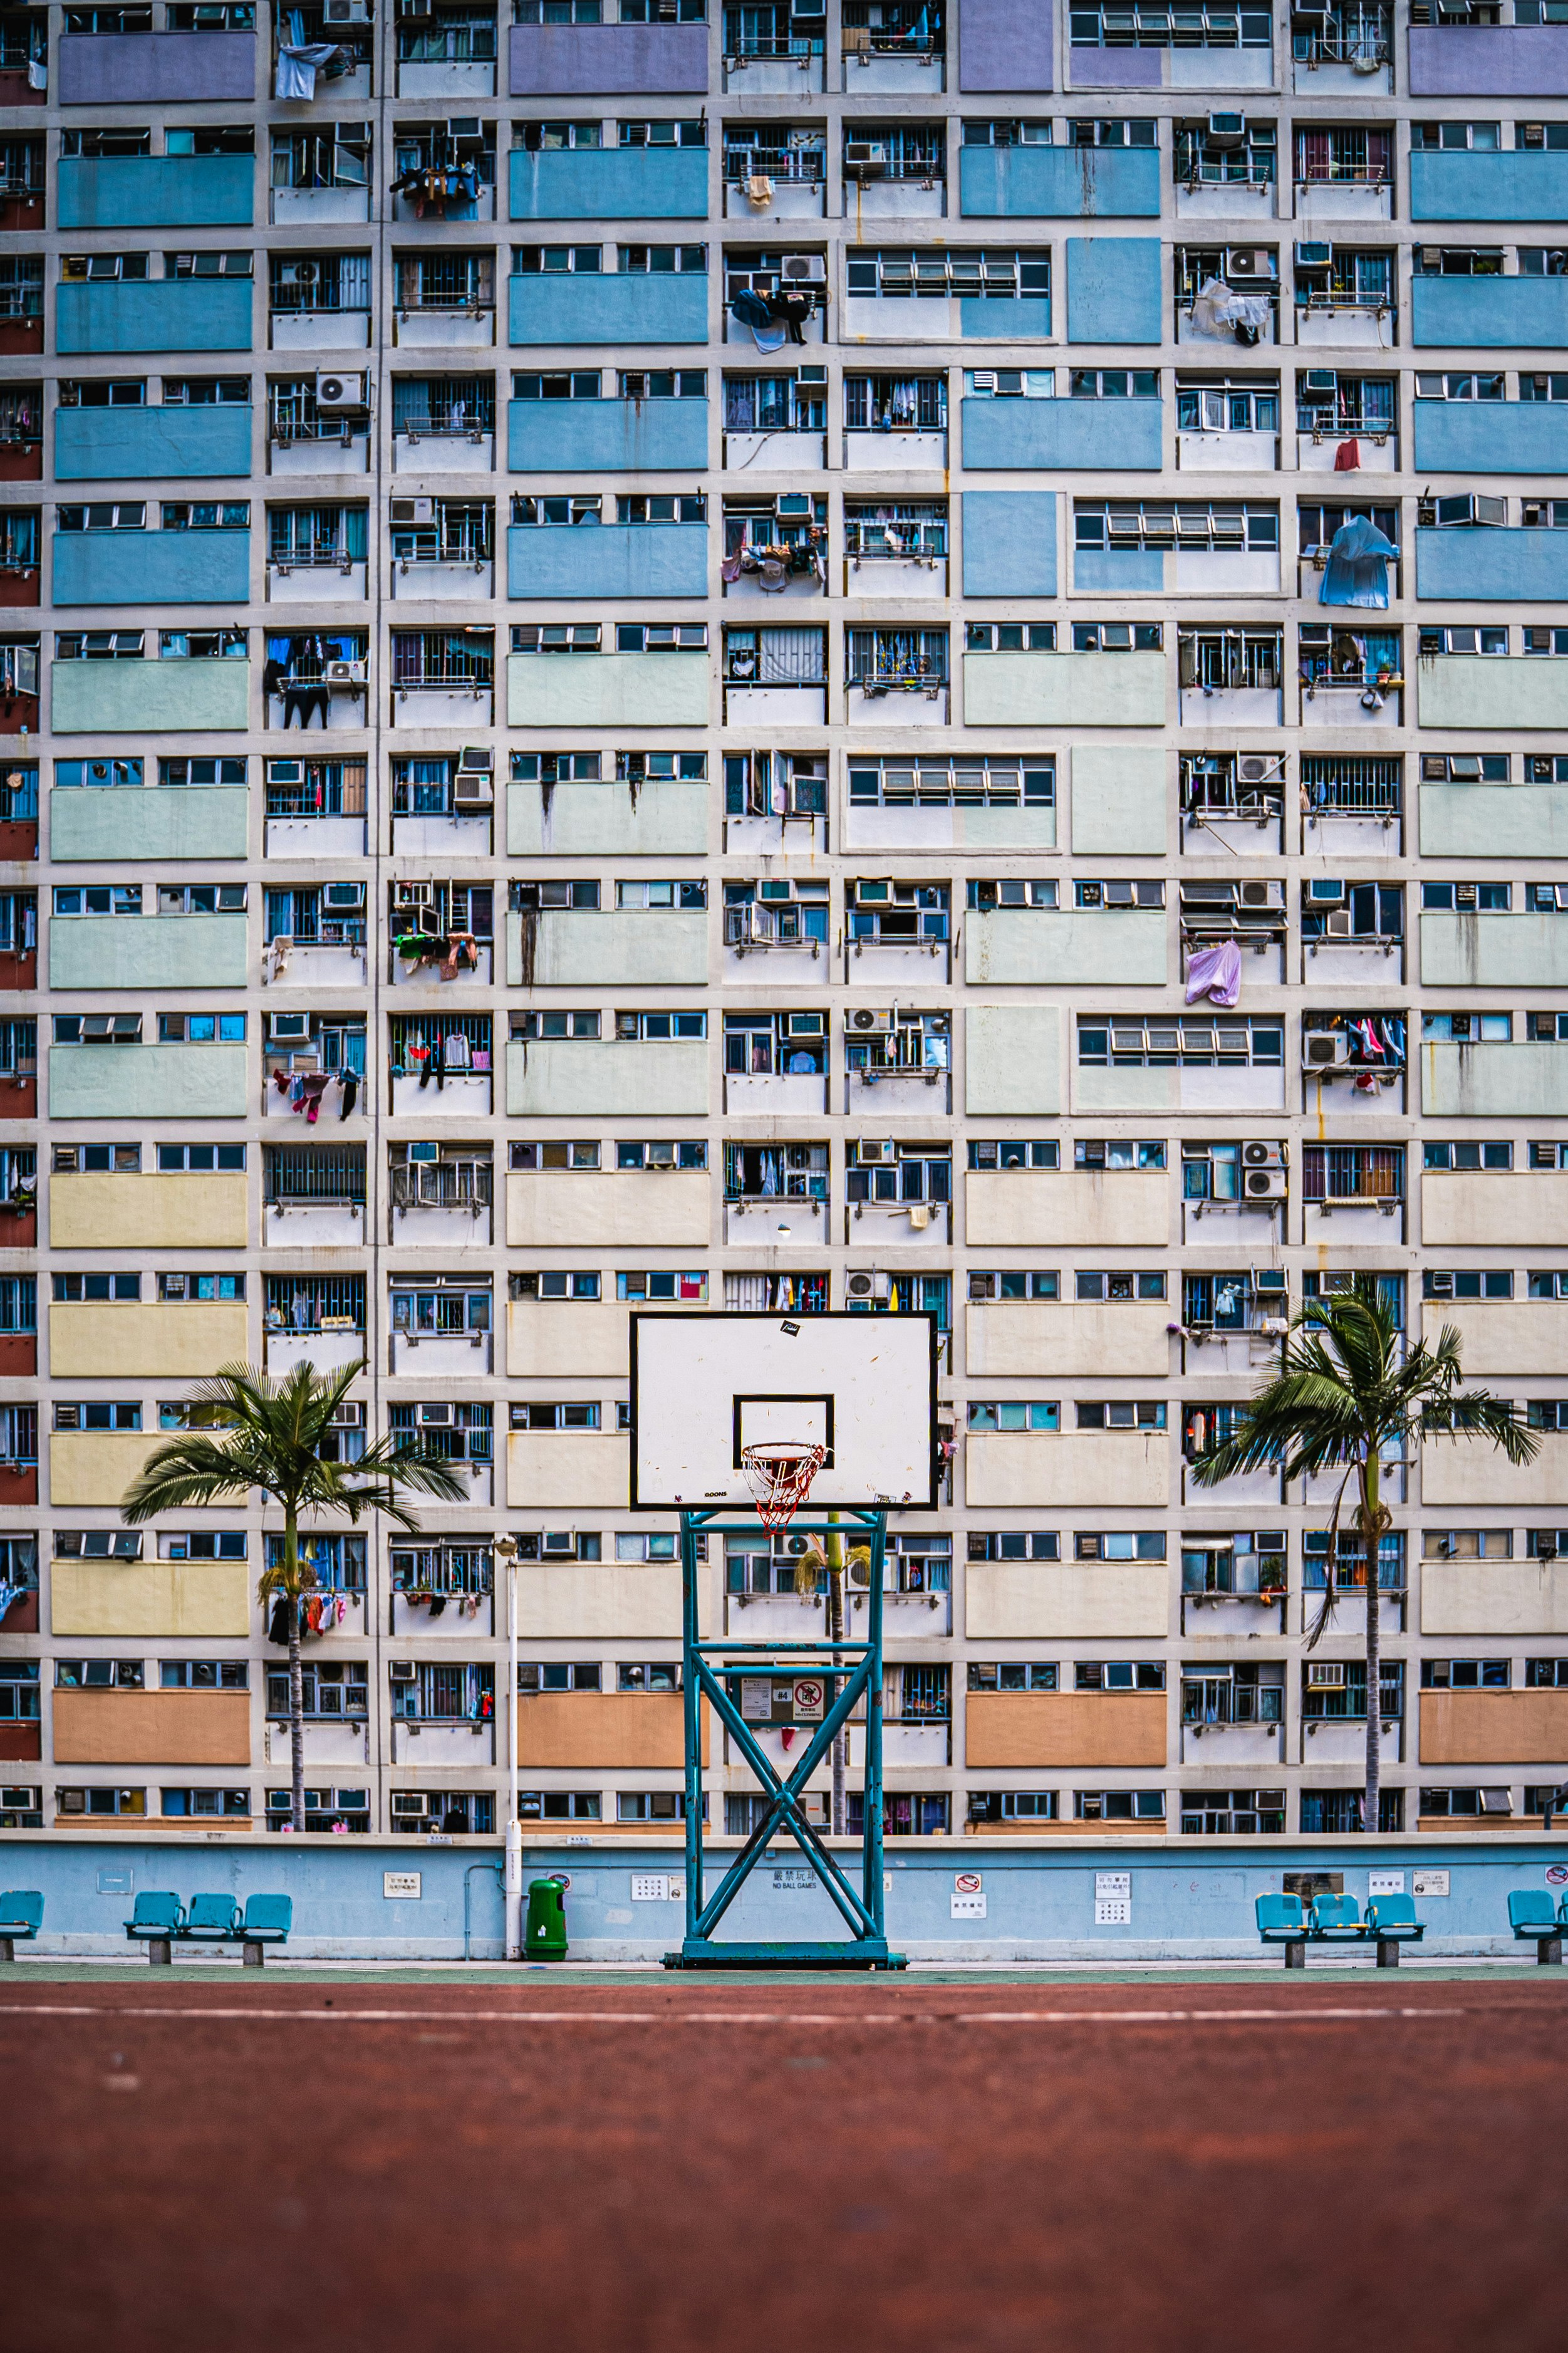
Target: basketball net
x=780, y=1479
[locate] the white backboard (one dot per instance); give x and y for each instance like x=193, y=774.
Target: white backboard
x=703, y=1386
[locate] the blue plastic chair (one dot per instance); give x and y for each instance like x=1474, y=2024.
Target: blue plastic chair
x=157, y=1918
x=1282, y=1921
x=1392, y=1920
x=211, y=1916
x=1336, y=1920
x=21, y=1918
x=268, y=1920
x=1534, y=1919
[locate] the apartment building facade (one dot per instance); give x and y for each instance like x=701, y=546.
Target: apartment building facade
x=903, y=658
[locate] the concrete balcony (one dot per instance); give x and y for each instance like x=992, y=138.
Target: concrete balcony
x=606, y=563
x=549, y=1208
x=659, y=819
x=585, y=61
x=620, y=308
x=1230, y=706
x=1234, y=206
x=1485, y=690
x=321, y=207
x=320, y=331
x=1329, y=205
x=1226, y=1356
x=1329, y=1741
x=429, y=1226
x=466, y=79
x=659, y=1078
x=610, y=948
x=444, y=327
x=136, y=445
x=464, y=707
x=436, y=453
x=438, y=582
x=329, y=1352
x=1490, y=314
x=780, y=1094
x=1064, y=690
x=921, y=318
x=792, y=200
x=608, y=184
x=1316, y=452
x=1484, y=565
x=882, y=73
x=156, y=191
x=157, y=314
x=155, y=821
x=94, y=1082
x=1059, y=183
x=1494, y=1080
x=776, y=453
x=144, y=952
x=156, y=68
x=895, y=1094
x=313, y=1225
x=1038, y=948
x=1338, y=703
x=440, y=1355
x=1235, y=1749
x=791, y=707
x=901, y=451
x=313, y=966
x=598, y=437
x=441, y=836
x=152, y=567
x=468, y=1746
x=1521, y=952
x=573, y=690
x=883, y=707
x=461, y=1095
x=412, y=1621
x=1351, y=326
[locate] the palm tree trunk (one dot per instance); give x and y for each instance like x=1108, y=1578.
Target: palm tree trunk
x=1371, y=1535
x=296, y=1672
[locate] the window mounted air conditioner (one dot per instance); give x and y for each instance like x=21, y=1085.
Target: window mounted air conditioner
x=1323, y=1675
x=473, y=789
x=1325, y=892
x=874, y=1152
x=873, y=894
x=867, y=1283
x=414, y=510
x=440, y=1416
x=289, y=1028
x=1320, y=380
x=407, y=1804
x=1269, y=1281
x=339, y=392
x=1314, y=256
x=423, y=1152
x=401, y=1671
x=804, y=270
x=343, y=896
x=864, y=1023
x=1337, y=924
x=982, y=379
x=1249, y=261
x=794, y=506
x=808, y=1025
x=285, y=772
x=1324, y=1049
x=1260, y=768
x=1226, y=129
x=1465, y=894
x=865, y=159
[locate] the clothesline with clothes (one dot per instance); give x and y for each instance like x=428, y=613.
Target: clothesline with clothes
x=774, y=318
x=299, y=61
x=449, y=951
x=296, y=669
x=435, y=187
x=306, y=1089
x=318, y=1613
x=443, y=1055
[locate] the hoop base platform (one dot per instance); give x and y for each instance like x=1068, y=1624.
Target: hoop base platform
x=859, y=1953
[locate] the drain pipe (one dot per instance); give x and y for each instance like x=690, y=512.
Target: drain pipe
x=512, y=1872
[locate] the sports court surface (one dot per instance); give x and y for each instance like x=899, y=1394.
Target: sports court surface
x=659, y=2165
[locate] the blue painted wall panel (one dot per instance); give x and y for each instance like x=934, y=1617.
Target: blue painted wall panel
x=169, y=314
x=605, y=561
x=567, y=436
x=102, y=445
x=1112, y=571
x=157, y=191
x=1009, y=543
x=1504, y=567
x=1492, y=313
x=152, y=567
x=981, y=320
x=1113, y=289
x=1522, y=185
x=1070, y=183
x=608, y=307
x=1491, y=436
x=1115, y=436
x=609, y=183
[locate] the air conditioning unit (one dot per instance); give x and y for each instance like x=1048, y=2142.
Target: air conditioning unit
x=1337, y=924
x=1530, y=134
x=285, y=772
x=345, y=674
x=437, y=1417
x=1320, y=380
x=1263, y=1155
x=1324, y=1049
x=1269, y=1281
x=873, y=894
x=1260, y=768
x=473, y=789
x=289, y=1028
x=346, y=12
x=414, y=510
x=1335, y=1283
x=808, y=1025
x=1228, y=129
x=865, y=159
x=1249, y=261
x=1264, y=1184
x=982, y=379
x=335, y=392
x=1313, y=256
x=342, y=897
x=868, y=1283
x=1261, y=896
x=804, y=270
x=300, y=273
x=407, y=1804
x=1465, y=894
x=401, y=1671
x=1440, y=1286
x=1323, y=1675
x=1324, y=891
x=874, y=1152
x=862, y=1022
x=811, y=376
x=794, y=506
x=558, y=1541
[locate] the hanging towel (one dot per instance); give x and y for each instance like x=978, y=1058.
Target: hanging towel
x=297, y=66
x=1215, y=972
x=1347, y=457
x=919, y=1215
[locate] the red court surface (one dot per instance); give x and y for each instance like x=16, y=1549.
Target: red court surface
x=790, y=2166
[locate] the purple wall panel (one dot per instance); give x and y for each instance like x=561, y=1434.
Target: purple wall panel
x=577, y=60
x=1005, y=45
x=150, y=68
x=1489, y=61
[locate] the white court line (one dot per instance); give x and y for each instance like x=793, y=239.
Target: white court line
x=726, y=2017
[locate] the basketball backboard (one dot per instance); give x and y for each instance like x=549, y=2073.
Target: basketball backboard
x=706, y=1385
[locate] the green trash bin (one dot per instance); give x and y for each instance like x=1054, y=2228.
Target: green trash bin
x=545, y=1938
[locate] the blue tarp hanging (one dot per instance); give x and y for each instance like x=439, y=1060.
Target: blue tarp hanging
x=1357, y=569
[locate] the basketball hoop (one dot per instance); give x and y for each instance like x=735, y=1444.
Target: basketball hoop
x=780, y=1477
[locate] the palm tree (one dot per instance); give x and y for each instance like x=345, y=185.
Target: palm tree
x=1347, y=1393
x=272, y=1436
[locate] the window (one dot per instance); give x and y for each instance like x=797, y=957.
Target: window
x=555, y=1417
x=991, y=274
x=1118, y=1674
x=99, y=1674
x=1232, y=1813
x=1245, y=1562
x=676, y=636
x=1547, y=1413
x=19, y=1690
x=123, y=515
x=1426, y=138
x=203, y=1804
x=1012, y=1283
x=529, y=1025
x=96, y=1413
x=97, y=1544
x=1455, y=1804
x=1474, y=1029
x=1245, y=153
x=1196, y=529
x=1540, y=1674
x=201, y=1028
x=1109, y=1152
x=1013, y=1806
x=1153, y=1042
x=204, y=1544
x=658, y=260
x=99, y=268
x=1352, y=1173
x=1149, y=24
x=1544, y=1156
x=203, y=1675
x=691, y=1288
x=558, y=1805
x=309, y=1302
x=1331, y=402
x=1469, y=1674
x=1128, y=1544
x=1014, y=1414
x=956, y=781
x=654, y=1026
x=1435, y=642
x=1118, y=1286
x=1015, y=1544
x=92, y=1800
x=895, y=404
x=888, y=657
x=664, y=1154
x=655, y=896
x=1119, y=1805
x=1350, y=1561
x=1118, y=1413
x=87, y=1287
x=1005, y=1155
x=325, y=1810
x=1359, y=157
x=1470, y=1284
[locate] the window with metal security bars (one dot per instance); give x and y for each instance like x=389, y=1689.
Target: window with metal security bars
x=313, y=1172
x=439, y=1045
x=337, y=1563
x=775, y=150
x=315, y=1303
x=448, y=280
x=457, y=1567
x=322, y=281
x=330, y=1690
x=1344, y=1698
x=317, y=535
x=888, y=656
x=1351, y=786
x=443, y=657
x=442, y=1694
x=1218, y=660
x=1352, y=1173
x=1332, y=404
x=1245, y=1562
x=443, y=405
x=1243, y=154
x=891, y=403
x=1350, y=1564
x=1343, y=154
